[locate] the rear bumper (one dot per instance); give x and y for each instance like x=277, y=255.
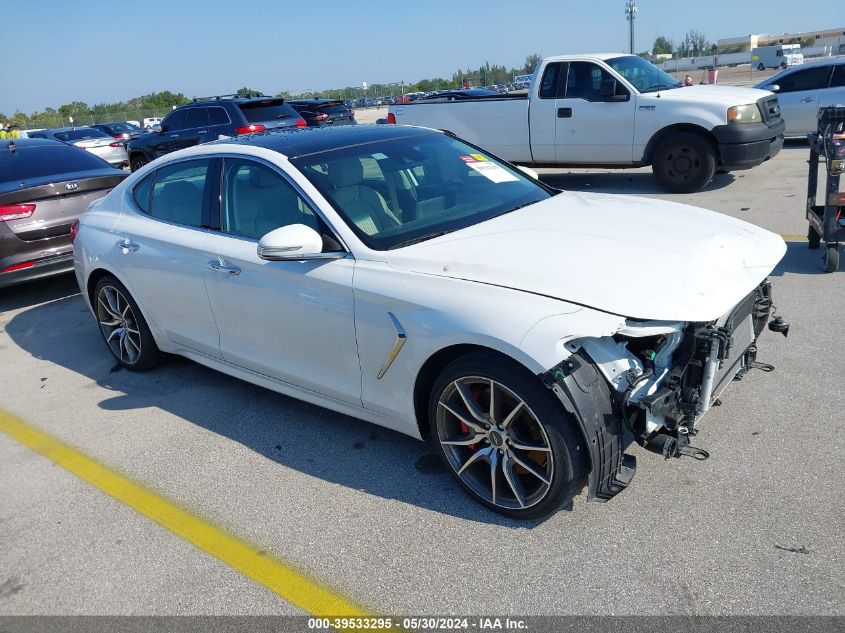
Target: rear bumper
x=46, y=267
x=746, y=146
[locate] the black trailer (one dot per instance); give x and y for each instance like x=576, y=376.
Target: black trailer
x=827, y=221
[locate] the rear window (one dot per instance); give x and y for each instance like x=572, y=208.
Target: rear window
x=122, y=128
x=80, y=135
x=29, y=163
x=333, y=108
x=267, y=110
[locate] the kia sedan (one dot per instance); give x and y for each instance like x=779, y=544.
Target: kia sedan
x=404, y=277
x=45, y=186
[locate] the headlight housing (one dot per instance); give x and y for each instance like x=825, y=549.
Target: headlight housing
x=748, y=113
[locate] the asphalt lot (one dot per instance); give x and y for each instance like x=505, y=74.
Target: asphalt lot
x=756, y=529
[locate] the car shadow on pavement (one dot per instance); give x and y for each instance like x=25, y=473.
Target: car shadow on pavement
x=312, y=440
x=802, y=260
x=41, y=291
x=620, y=181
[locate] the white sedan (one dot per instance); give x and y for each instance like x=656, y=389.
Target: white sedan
x=401, y=276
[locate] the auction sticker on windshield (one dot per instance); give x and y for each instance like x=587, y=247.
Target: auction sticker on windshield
x=489, y=170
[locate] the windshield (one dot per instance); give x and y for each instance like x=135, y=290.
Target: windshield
x=644, y=76
x=404, y=190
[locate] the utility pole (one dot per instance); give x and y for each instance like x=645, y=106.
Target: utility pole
x=630, y=15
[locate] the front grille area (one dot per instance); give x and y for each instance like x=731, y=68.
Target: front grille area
x=741, y=339
x=769, y=109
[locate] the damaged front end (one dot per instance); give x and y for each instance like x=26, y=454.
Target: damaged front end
x=653, y=381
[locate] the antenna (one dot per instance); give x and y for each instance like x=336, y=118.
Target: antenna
x=631, y=15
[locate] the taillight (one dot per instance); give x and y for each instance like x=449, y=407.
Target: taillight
x=301, y=123
x=16, y=211
x=74, y=229
x=115, y=144
x=14, y=267
x=249, y=129
x=120, y=137
x=391, y=118
x=321, y=117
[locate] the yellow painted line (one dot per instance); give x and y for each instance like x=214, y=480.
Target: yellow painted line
x=277, y=576
x=794, y=238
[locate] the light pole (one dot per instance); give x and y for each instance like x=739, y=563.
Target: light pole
x=630, y=15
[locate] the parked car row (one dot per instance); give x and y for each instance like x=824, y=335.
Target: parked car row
x=213, y=118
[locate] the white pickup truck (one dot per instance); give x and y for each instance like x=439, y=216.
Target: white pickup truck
x=614, y=110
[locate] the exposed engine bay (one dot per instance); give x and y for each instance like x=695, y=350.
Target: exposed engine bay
x=663, y=377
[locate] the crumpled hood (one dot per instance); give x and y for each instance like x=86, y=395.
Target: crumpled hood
x=635, y=257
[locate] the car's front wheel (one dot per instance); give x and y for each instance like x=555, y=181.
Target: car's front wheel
x=123, y=327
x=684, y=163
x=505, y=437
x=137, y=161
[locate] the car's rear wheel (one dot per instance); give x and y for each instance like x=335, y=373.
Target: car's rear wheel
x=505, y=438
x=684, y=163
x=123, y=327
x=137, y=161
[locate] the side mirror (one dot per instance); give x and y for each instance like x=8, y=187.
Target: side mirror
x=773, y=88
x=294, y=241
x=610, y=91
x=528, y=172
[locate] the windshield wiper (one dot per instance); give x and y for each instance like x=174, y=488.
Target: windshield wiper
x=416, y=240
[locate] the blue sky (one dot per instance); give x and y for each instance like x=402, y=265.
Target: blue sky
x=54, y=52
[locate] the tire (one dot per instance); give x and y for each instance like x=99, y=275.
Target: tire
x=123, y=327
x=814, y=240
x=137, y=161
x=761, y=67
x=783, y=65
x=831, y=258
x=684, y=163
x=529, y=484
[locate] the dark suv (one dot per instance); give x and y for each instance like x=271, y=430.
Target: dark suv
x=208, y=119
x=323, y=112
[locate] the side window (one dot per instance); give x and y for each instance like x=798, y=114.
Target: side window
x=178, y=192
x=195, y=117
x=550, y=80
x=806, y=79
x=584, y=81
x=174, y=121
x=141, y=193
x=838, y=78
x=258, y=199
x=217, y=116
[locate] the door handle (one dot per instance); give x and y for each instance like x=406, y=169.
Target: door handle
x=564, y=113
x=808, y=99
x=174, y=136
x=221, y=268
x=128, y=245
x=203, y=132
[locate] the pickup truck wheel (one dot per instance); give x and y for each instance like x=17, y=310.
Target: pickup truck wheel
x=684, y=163
x=505, y=438
x=137, y=161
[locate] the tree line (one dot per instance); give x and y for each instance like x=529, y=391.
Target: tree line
x=158, y=103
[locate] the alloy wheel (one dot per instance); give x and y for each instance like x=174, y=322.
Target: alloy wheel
x=494, y=442
x=118, y=324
